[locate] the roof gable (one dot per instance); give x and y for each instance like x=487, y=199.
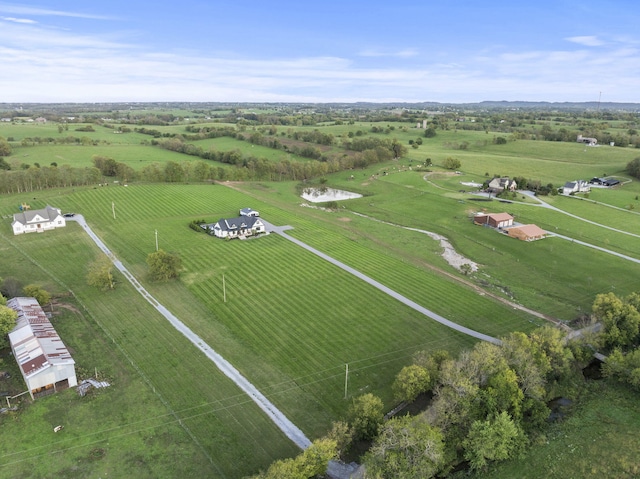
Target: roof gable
x=49, y=213
x=241, y=222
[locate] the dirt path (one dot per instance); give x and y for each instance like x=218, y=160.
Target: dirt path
x=456, y=260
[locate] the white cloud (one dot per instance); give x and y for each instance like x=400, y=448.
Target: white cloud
x=587, y=41
x=56, y=65
x=18, y=20
x=406, y=53
x=28, y=10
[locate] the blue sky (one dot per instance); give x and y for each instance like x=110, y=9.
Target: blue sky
x=325, y=51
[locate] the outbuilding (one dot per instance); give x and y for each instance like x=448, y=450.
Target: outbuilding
x=526, y=232
x=494, y=220
x=249, y=212
x=45, y=363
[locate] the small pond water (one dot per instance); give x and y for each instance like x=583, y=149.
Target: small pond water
x=321, y=195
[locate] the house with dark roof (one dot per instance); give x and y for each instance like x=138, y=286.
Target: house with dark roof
x=577, y=186
x=37, y=221
x=239, y=227
x=604, y=182
x=45, y=363
x=498, y=185
x=586, y=140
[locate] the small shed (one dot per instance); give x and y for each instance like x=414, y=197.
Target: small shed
x=526, y=232
x=249, y=212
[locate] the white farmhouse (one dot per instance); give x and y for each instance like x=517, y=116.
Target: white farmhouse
x=45, y=362
x=239, y=227
x=577, y=186
x=37, y=221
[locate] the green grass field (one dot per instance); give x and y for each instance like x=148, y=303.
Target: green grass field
x=291, y=321
x=220, y=425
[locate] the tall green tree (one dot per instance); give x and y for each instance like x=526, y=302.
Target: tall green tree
x=620, y=318
x=410, y=382
x=310, y=463
x=100, y=274
x=406, y=448
x=173, y=172
x=5, y=147
x=7, y=322
x=163, y=266
x=495, y=439
x=451, y=163
x=633, y=167
x=366, y=415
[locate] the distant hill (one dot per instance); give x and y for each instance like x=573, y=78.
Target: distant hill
x=483, y=105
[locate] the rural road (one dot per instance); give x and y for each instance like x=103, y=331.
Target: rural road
x=544, y=204
x=280, y=420
x=470, y=332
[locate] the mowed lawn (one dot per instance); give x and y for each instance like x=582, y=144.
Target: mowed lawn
x=291, y=320
x=553, y=276
x=166, y=396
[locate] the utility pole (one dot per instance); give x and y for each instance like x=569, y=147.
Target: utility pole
x=346, y=379
x=224, y=290
x=156, y=240
x=113, y=209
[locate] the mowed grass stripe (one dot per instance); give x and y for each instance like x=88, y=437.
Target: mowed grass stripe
x=178, y=370
x=387, y=328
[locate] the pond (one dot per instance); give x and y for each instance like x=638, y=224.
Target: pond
x=321, y=195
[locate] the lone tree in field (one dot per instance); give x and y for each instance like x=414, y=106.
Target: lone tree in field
x=163, y=266
x=451, y=163
x=100, y=274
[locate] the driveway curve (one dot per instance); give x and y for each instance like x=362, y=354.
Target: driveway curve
x=403, y=299
x=278, y=418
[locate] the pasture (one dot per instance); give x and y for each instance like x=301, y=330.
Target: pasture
x=275, y=327
x=288, y=320
x=162, y=385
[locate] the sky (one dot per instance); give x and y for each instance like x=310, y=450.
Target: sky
x=320, y=51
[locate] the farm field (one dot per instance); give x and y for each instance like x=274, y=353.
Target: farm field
x=134, y=155
x=286, y=319
x=292, y=347
x=226, y=144
x=220, y=426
